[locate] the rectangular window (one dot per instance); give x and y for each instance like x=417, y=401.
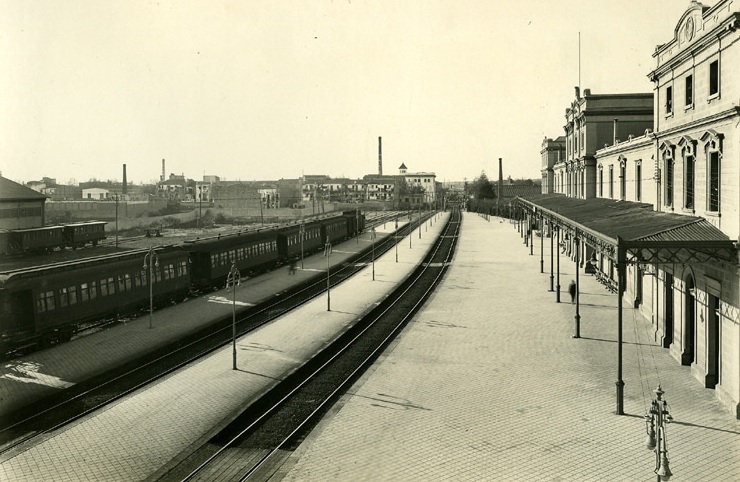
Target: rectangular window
x=63, y=301
x=121, y=284
x=638, y=182
x=601, y=183
x=669, y=100
x=611, y=182
x=84, y=292
x=93, y=290
x=689, y=90
x=45, y=301
x=107, y=287
x=714, y=78
x=714, y=188
x=669, y=182
x=689, y=187
x=622, y=183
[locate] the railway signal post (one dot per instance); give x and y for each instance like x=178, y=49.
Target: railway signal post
x=151, y=261
x=233, y=279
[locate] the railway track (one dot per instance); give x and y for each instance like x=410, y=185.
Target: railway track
x=36, y=420
x=255, y=445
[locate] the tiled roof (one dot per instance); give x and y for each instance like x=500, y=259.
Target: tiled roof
x=12, y=191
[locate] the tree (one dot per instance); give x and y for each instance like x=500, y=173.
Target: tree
x=482, y=188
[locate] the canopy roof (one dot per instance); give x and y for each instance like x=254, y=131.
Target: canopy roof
x=644, y=235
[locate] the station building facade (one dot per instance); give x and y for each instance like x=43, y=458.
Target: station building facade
x=686, y=163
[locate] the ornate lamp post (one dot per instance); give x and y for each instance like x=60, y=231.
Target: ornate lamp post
x=395, y=236
x=151, y=261
x=302, y=234
x=327, y=253
x=233, y=279
x=656, y=439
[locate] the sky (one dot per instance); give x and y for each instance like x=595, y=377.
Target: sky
x=271, y=89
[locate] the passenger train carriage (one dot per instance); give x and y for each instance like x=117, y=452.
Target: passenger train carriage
x=47, y=304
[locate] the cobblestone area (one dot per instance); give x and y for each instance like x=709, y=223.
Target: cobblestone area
x=488, y=384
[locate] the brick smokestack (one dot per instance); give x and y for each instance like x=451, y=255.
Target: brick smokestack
x=161, y=178
x=123, y=188
x=380, y=156
x=500, y=181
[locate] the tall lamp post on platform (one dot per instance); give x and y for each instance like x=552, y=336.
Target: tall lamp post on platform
x=233, y=279
x=372, y=236
x=302, y=234
x=327, y=252
x=151, y=261
x=395, y=236
x=577, y=244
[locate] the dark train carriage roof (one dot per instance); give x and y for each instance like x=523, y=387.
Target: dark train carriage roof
x=84, y=263
x=86, y=223
x=228, y=240
x=35, y=230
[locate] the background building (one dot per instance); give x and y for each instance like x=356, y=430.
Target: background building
x=20, y=207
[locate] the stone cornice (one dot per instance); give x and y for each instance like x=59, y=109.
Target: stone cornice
x=731, y=112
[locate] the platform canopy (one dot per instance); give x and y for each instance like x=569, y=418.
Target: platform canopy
x=631, y=232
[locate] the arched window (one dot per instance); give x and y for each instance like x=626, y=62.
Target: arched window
x=713, y=148
x=688, y=153
x=666, y=154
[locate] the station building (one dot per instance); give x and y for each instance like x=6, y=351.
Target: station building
x=20, y=207
x=678, y=181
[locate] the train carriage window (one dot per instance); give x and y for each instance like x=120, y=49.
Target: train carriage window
x=63, y=297
x=121, y=284
x=213, y=261
x=72, y=291
x=93, y=290
x=107, y=286
x=182, y=268
x=127, y=279
x=157, y=275
x=84, y=292
x=45, y=301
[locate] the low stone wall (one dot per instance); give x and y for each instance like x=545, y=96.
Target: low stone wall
x=101, y=210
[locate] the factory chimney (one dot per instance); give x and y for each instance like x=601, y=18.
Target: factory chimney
x=500, y=183
x=380, y=156
x=123, y=188
x=161, y=178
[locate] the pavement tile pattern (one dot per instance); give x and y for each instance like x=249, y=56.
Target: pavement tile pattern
x=486, y=383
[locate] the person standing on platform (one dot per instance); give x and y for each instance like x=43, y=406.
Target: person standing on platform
x=572, y=291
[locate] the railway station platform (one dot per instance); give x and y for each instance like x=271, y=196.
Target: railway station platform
x=140, y=435
x=28, y=379
x=485, y=383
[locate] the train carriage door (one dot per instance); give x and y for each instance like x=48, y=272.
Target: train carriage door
x=18, y=306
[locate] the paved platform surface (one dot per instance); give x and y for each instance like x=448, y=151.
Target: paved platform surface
x=140, y=435
x=486, y=383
